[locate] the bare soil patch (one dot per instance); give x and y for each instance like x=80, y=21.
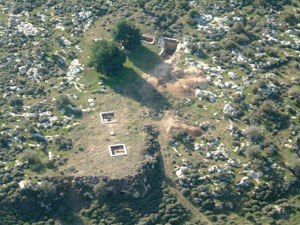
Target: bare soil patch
x=176, y=81
x=171, y=124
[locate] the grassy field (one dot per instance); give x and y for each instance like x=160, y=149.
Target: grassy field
x=130, y=96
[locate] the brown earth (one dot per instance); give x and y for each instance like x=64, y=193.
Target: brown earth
x=172, y=123
x=178, y=82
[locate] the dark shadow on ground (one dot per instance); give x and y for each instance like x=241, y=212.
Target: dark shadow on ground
x=131, y=85
x=72, y=219
x=144, y=58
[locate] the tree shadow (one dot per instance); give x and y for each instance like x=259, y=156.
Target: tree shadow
x=131, y=85
x=144, y=58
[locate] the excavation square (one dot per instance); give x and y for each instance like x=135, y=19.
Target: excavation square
x=148, y=39
x=117, y=150
x=108, y=117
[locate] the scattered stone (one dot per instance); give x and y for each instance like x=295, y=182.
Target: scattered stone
x=206, y=95
x=27, y=28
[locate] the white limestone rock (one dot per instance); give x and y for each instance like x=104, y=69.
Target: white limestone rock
x=27, y=28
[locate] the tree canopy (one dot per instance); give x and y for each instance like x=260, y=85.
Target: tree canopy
x=107, y=58
x=127, y=34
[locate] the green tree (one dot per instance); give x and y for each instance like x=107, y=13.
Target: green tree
x=107, y=58
x=127, y=34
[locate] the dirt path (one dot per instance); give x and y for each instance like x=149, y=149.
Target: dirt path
x=167, y=174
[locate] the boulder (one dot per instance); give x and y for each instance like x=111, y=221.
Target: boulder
x=206, y=95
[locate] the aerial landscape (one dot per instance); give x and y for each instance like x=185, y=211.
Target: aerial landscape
x=162, y=112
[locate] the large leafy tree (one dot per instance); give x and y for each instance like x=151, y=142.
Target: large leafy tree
x=107, y=58
x=127, y=34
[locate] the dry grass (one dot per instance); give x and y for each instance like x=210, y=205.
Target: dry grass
x=95, y=137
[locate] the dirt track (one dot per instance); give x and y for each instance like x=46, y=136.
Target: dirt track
x=167, y=171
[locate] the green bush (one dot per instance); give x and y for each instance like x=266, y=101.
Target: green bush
x=270, y=152
x=294, y=166
x=47, y=191
x=30, y=155
x=255, y=134
x=63, y=143
x=228, y=44
x=62, y=101
x=294, y=94
x=249, y=52
x=261, y=83
x=140, y=3
x=193, y=13
x=4, y=140
x=194, y=48
x=241, y=39
x=268, y=108
x=290, y=18
x=253, y=151
x=238, y=28
x=16, y=101
x=99, y=189
x=271, y=51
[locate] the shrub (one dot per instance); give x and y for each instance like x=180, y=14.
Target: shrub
x=185, y=191
x=127, y=34
x=47, y=191
x=255, y=134
x=268, y=108
x=99, y=189
x=270, y=152
x=267, y=142
x=4, y=140
x=241, y=39
x=208, y=204
x=228, y=44
x=141, y=3
x=190, y=21
x=62, y=101
x=238, y=98
x=193, y=13
x=261, y=83
x=193, y=47
x=238, y=28
x=271, y=51
x=182, y=4
x=249, y=53
x=253, y=151
x=294, y=94
x=107, y=58
x=16, y=101
x=257, y=162
x=290, y=18
x=30, y=156
x=63, y=143
x=294, y=166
